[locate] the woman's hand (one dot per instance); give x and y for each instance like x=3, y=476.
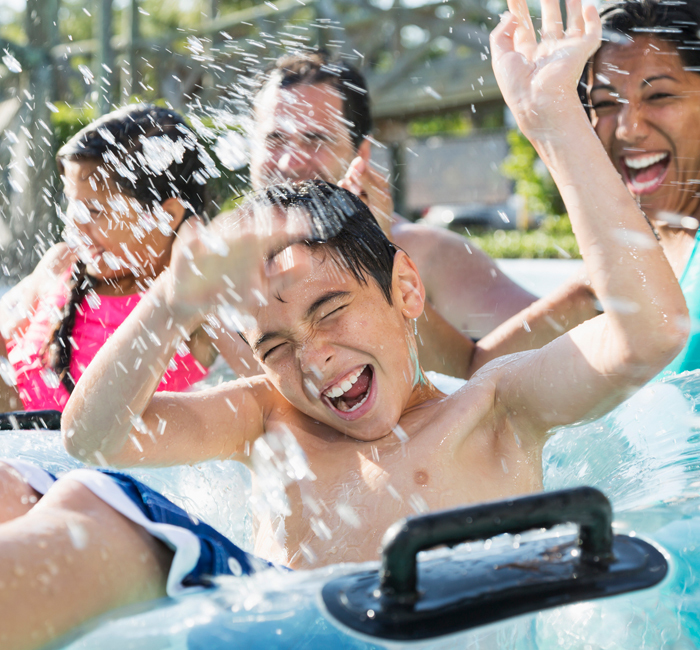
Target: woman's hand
x=539, y=80
x=240, y=259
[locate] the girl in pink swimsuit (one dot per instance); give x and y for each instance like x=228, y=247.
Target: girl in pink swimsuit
x=131, y=178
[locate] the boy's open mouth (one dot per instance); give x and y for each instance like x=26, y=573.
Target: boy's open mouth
x=351, y=392
x=645, y=172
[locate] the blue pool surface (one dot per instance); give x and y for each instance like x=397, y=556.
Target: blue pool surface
x=645, y=456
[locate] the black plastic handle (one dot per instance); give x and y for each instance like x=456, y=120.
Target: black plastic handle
x=30, y=420
x=584, y=506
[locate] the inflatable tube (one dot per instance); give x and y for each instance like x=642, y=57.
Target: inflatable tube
x=470, y=592
x=644, y=456
x=22, y=420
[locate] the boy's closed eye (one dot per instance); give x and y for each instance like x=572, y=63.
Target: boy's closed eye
x=273, y=349
x=333, y=311
x=322, y=317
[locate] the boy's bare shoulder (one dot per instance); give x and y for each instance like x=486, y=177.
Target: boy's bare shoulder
x=476, y=413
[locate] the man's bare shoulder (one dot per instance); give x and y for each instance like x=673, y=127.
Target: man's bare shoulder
x=424, y=239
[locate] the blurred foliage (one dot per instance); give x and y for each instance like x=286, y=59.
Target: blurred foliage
x=75, y=20
x=456, y=123
x=449, y=123
x=67, y=121
x=553, y=239
x=13, y=31
x=532, y=180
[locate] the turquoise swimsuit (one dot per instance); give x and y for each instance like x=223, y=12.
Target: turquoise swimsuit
x=689, y=358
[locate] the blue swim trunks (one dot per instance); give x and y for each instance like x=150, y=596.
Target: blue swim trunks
x=201, y=553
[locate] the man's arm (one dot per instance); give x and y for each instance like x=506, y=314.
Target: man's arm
x=595, y=366
x=441, y=347
x=539, y=323
x=463, y=283
x=444, y=349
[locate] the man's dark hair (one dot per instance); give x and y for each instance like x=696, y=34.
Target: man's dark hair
x=342, y=224
x=317, y=67
x=672, y=21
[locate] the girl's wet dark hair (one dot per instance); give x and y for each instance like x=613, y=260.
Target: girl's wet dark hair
x=148, y=153
x=672, y=21
x=146, y=169
x=342, y=224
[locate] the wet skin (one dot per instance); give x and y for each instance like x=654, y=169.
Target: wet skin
x=112, y=225
x=443, y=455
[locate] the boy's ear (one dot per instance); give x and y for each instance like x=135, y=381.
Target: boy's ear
x=364, y=151
x=176, y=210
x=409, y=292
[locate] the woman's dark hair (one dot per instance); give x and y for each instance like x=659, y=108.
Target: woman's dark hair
x=148, y=153
x=672, y=21
x=341, y=224
x=317, y=67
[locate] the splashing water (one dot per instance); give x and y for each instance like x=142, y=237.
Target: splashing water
x=88, y=76
x=645, y=456
x=12, y=64
x=232, y=150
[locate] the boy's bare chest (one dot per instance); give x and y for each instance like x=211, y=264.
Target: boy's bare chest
x=360, y=489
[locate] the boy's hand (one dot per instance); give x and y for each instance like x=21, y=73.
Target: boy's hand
x=372, y=188
x=233, y=261
x=539, y=80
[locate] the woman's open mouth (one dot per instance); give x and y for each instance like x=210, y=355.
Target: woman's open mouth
x=353, y=395
x=644, y=173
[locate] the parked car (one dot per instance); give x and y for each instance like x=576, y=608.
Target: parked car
x=500, y=216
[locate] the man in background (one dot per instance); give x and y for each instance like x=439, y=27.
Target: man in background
x=312, y=120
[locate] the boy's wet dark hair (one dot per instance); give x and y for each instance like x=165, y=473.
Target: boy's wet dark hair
x=149, y=154
x=317, y=67
x=342, y=224
x=672, y=21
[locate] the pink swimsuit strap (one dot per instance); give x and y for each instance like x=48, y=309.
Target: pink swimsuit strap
x=96, y=320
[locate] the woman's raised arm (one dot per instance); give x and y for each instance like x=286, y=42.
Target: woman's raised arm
x=645, y=324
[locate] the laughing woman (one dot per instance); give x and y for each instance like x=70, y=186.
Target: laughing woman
x=644, y=102
x=642, y=92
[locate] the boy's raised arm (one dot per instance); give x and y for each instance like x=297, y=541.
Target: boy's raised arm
x=114, y=416
x=595, y=366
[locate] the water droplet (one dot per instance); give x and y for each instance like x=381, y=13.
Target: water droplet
x=232, y=150
x=88, y=77
x=12, y=64
x=400, y=434
x=7, y=372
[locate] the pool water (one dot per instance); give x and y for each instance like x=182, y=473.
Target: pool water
x=645, y=456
